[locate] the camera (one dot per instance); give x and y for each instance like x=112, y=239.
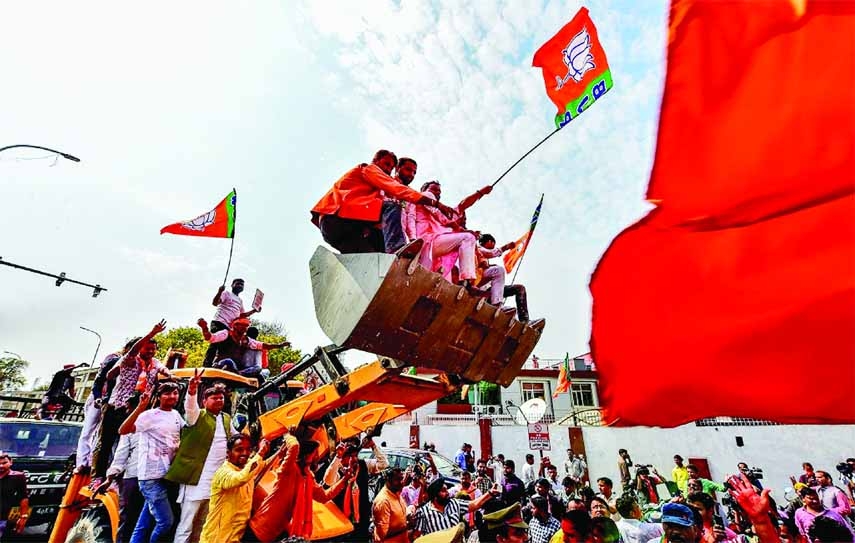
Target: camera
x=755, y=474
x=845, y=469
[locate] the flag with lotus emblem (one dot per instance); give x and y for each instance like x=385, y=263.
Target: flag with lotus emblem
x=217, y=223
x=575, y=69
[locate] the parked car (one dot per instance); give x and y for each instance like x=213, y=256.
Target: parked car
x=404, y=458
x=45, y=451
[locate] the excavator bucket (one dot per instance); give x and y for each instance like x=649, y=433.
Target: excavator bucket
x=390, y=306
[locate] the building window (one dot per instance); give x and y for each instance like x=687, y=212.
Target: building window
x=583, y=395
x=536, y=389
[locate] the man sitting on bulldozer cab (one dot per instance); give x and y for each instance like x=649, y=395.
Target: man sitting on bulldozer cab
x=232, y=346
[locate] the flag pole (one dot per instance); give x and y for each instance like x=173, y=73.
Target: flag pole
x=232, y=247
x=229, y=265
x=519, y=265
x=525, y=155
x=531, y=232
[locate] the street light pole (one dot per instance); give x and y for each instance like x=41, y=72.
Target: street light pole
x=16, y=355
x=95, y=356
x=60, y=153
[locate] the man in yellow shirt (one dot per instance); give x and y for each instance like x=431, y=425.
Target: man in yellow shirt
x=231, y=491
x=680, y=474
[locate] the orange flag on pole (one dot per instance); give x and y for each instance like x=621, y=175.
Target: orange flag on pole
x=575, y=70
x=744, y=274
x=217, y=223
x=563, y=377
x=514, y=255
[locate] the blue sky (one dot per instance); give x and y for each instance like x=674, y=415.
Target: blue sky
x=170, y=105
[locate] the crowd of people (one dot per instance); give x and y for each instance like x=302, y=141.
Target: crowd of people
x=369, y=210
x=190, y=476
x=492, y=503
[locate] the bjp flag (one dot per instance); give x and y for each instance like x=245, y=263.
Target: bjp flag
x=217, y=223
x=575, y=70
x=736, y=295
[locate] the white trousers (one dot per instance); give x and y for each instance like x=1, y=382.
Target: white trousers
x=91, y=422
x=193, y=515
x=496, y=275
x=443, y=244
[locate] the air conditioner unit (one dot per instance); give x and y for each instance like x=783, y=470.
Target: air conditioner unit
x=492, y=409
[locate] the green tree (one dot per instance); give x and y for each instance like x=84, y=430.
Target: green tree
x=190, y=340
x=187, y=338
x=12, y=373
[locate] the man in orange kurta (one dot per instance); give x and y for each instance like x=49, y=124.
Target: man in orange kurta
x=389, y=511
x=349, y=214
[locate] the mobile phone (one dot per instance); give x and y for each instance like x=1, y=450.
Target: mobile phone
x=717, y=520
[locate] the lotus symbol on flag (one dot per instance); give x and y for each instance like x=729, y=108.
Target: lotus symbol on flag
x=577, y=57
x=201, y=222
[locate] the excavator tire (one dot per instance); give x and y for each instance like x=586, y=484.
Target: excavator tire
x=93, y=526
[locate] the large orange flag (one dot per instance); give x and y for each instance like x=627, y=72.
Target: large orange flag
x=740, y=285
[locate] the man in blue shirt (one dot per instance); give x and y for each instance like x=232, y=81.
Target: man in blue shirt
x=460, y=457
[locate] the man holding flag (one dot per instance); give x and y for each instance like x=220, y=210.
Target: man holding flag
x=493, y=276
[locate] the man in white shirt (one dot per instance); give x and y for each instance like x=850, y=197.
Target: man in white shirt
x=575, y=466
x=229, y=308
x=159, y=436
x=632, y=530
x=552, y=476
x=606, y=486
x=201, y=453
x=529, y=473
x=497, y=464
x=124, y=465
x=493, y=276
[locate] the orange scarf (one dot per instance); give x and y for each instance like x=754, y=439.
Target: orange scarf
x=351, y=500
x=301, y=522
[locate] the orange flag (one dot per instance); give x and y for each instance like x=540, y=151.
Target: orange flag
x=563, y=377
x=514, y=255
x=575, y=70
x=217, y=223
x=743, y=277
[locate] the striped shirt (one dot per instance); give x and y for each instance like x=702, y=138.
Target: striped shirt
x=429, y=519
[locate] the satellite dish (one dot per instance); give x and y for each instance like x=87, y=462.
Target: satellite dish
x=531, y=411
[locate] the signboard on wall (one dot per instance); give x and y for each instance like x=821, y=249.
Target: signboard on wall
x=538, y=437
